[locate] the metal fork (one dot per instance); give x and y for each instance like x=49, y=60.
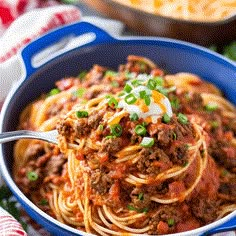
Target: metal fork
x=48, y=136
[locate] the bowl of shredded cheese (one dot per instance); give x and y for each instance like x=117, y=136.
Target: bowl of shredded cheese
x=204, y=22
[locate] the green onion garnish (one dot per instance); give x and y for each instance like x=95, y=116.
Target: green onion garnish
x=101, y=127
x=81, y=114
x=114, y=84
x=214, y=124
x=32, y=176
x=127, y=88
x=171, y=222
x=140, y=196
x=151, y=84
x=211, y=107
x=147, y=100
x=43, y=202
x=134, y=117
x=130, y=99
x=159, y=80
x=116, y=130
x=140, y=130
x=110, y=73
x=183, y=119
x=112, y=101
x=147, y=142
x=142, y=94
x=136, y=82
x=166, y=118
x=132, y=208
x=54, y=91
x=175, y=103
x=82, y=74
x=79, y=92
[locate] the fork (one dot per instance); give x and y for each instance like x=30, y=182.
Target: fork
x=48, y=136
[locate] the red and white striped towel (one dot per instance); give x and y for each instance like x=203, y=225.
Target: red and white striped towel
x=9, y=226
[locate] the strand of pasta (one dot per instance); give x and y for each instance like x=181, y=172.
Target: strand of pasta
x=226, y=210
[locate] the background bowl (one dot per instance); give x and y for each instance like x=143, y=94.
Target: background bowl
x=96, y=46
x=203, y=33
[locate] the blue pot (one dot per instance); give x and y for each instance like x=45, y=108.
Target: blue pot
x=90, y=46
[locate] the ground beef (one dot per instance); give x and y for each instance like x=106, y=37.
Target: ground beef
x=204, y=208
x=223, y=153
x=139, y=199
x=112, y=145
x=95, y=118
x=54, y=165
x=100, y=181
x=228, y=188
x=146, y=163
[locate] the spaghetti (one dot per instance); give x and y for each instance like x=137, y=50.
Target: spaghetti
x=139, y=152
x=203, y=10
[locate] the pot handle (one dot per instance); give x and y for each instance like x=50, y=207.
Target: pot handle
x=59, y=41
x=227, y=226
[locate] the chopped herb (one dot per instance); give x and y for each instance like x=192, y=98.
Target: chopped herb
x=81, y=114
x=79, y=92
x=127, y=88
x=110, y=136
x=230, y=51
x=183, y=119
x=175, y=103
x=151, y=84
x=43, y=202
x=214, y=124
x=171, y=222
x=140, y=130
x=162, y=90
x=132, y=208
x=54, y=91
x=110, y=73
x=32, y=176
x=174, y=135
x=159, y=80
x=112, y=102
x=147, y=100
x=211, y=107
x=140, y=196
x=114, y=84
x=121, y=94
x=130, y=99
x=116, y=130
x=101, y=127
x=224, y=172
x=166, y=118
x=136, y=82
x=147, y=142
x=129, y=75
x=82, y=74
x=134, y=117
x=142, y=94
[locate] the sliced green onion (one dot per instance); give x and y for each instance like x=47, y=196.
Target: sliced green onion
x=32, y=176
x=171, y=222
x=147, y=100
x=159, y=80
x=82, y=74
x=174, y=135
x=114, y=84
x=134, y=117
x=110, y=73
x=54, y=91
x=166, y=118
x=79, y=92
x=183, y=119
x=142, y=94
x=151, y=84
x=112, y=101
x=136, y=82
x=175, y=103
x=130, y=99
x=211, y=107
x=81, y=114
x=162, y=90
x=140, y=196
x=147, y=142
x=116, y=130
x=140, y=130
x=214, y=124
x=127, y=88
x=101, y=127
x=43, y=202
x=132, y=208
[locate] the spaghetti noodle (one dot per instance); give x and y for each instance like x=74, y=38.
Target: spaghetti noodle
x=201, y=10
x=139, y=152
